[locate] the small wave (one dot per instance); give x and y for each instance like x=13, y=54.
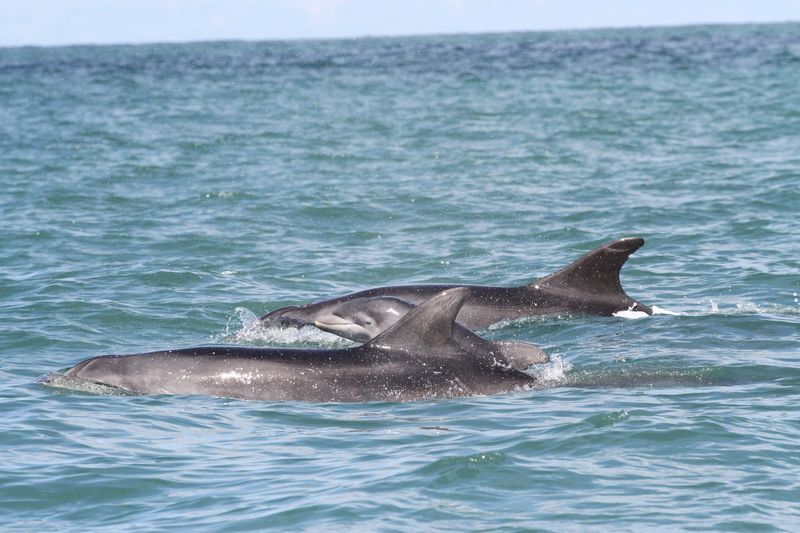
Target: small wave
x=607, y=419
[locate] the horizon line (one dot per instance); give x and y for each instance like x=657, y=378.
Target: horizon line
x=400, y=35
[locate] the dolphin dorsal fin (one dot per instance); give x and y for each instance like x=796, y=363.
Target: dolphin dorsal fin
x=597, y=272
x=428, y=325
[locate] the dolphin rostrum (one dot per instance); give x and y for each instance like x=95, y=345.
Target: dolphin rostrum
x=415, y=359
x=590, y=285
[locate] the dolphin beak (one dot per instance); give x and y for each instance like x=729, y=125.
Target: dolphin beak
x=342, y=327
x=333, y=324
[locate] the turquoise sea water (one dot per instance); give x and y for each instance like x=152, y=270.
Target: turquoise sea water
x=162, y=196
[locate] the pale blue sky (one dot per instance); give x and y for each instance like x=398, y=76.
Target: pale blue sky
x=45, y=22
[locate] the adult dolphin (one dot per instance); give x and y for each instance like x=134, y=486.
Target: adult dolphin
x=590, y=285
x=363, y=319
x=416, y=359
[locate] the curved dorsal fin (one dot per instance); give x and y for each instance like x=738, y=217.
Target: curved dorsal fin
x=428, y=325
x=596, y=272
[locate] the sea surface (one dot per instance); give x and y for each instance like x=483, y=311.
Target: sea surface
x=163, y=196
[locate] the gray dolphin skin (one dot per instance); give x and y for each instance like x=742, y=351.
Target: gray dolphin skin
x=363, y=319
x=417, y=358
x=590, y=285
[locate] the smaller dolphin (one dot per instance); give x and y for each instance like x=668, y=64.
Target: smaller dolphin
x=589, y=285
x=417, y=358
x=364, y=319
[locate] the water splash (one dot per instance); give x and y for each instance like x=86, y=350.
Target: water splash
x=250, y=330
x=554, y=372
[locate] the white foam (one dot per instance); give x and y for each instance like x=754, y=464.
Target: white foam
x=554, y=371
x=660, y=311
x=631, y=315
x=288, y=336
x=252, y=331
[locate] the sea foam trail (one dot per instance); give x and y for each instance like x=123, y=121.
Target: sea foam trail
x=748, y=308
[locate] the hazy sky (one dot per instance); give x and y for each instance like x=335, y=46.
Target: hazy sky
x=135, y=21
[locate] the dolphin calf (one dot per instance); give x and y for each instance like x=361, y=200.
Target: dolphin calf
x=362, y=319
x=590, y=285
x=415, y=359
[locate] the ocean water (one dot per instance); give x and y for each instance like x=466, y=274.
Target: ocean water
x=162, y=196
